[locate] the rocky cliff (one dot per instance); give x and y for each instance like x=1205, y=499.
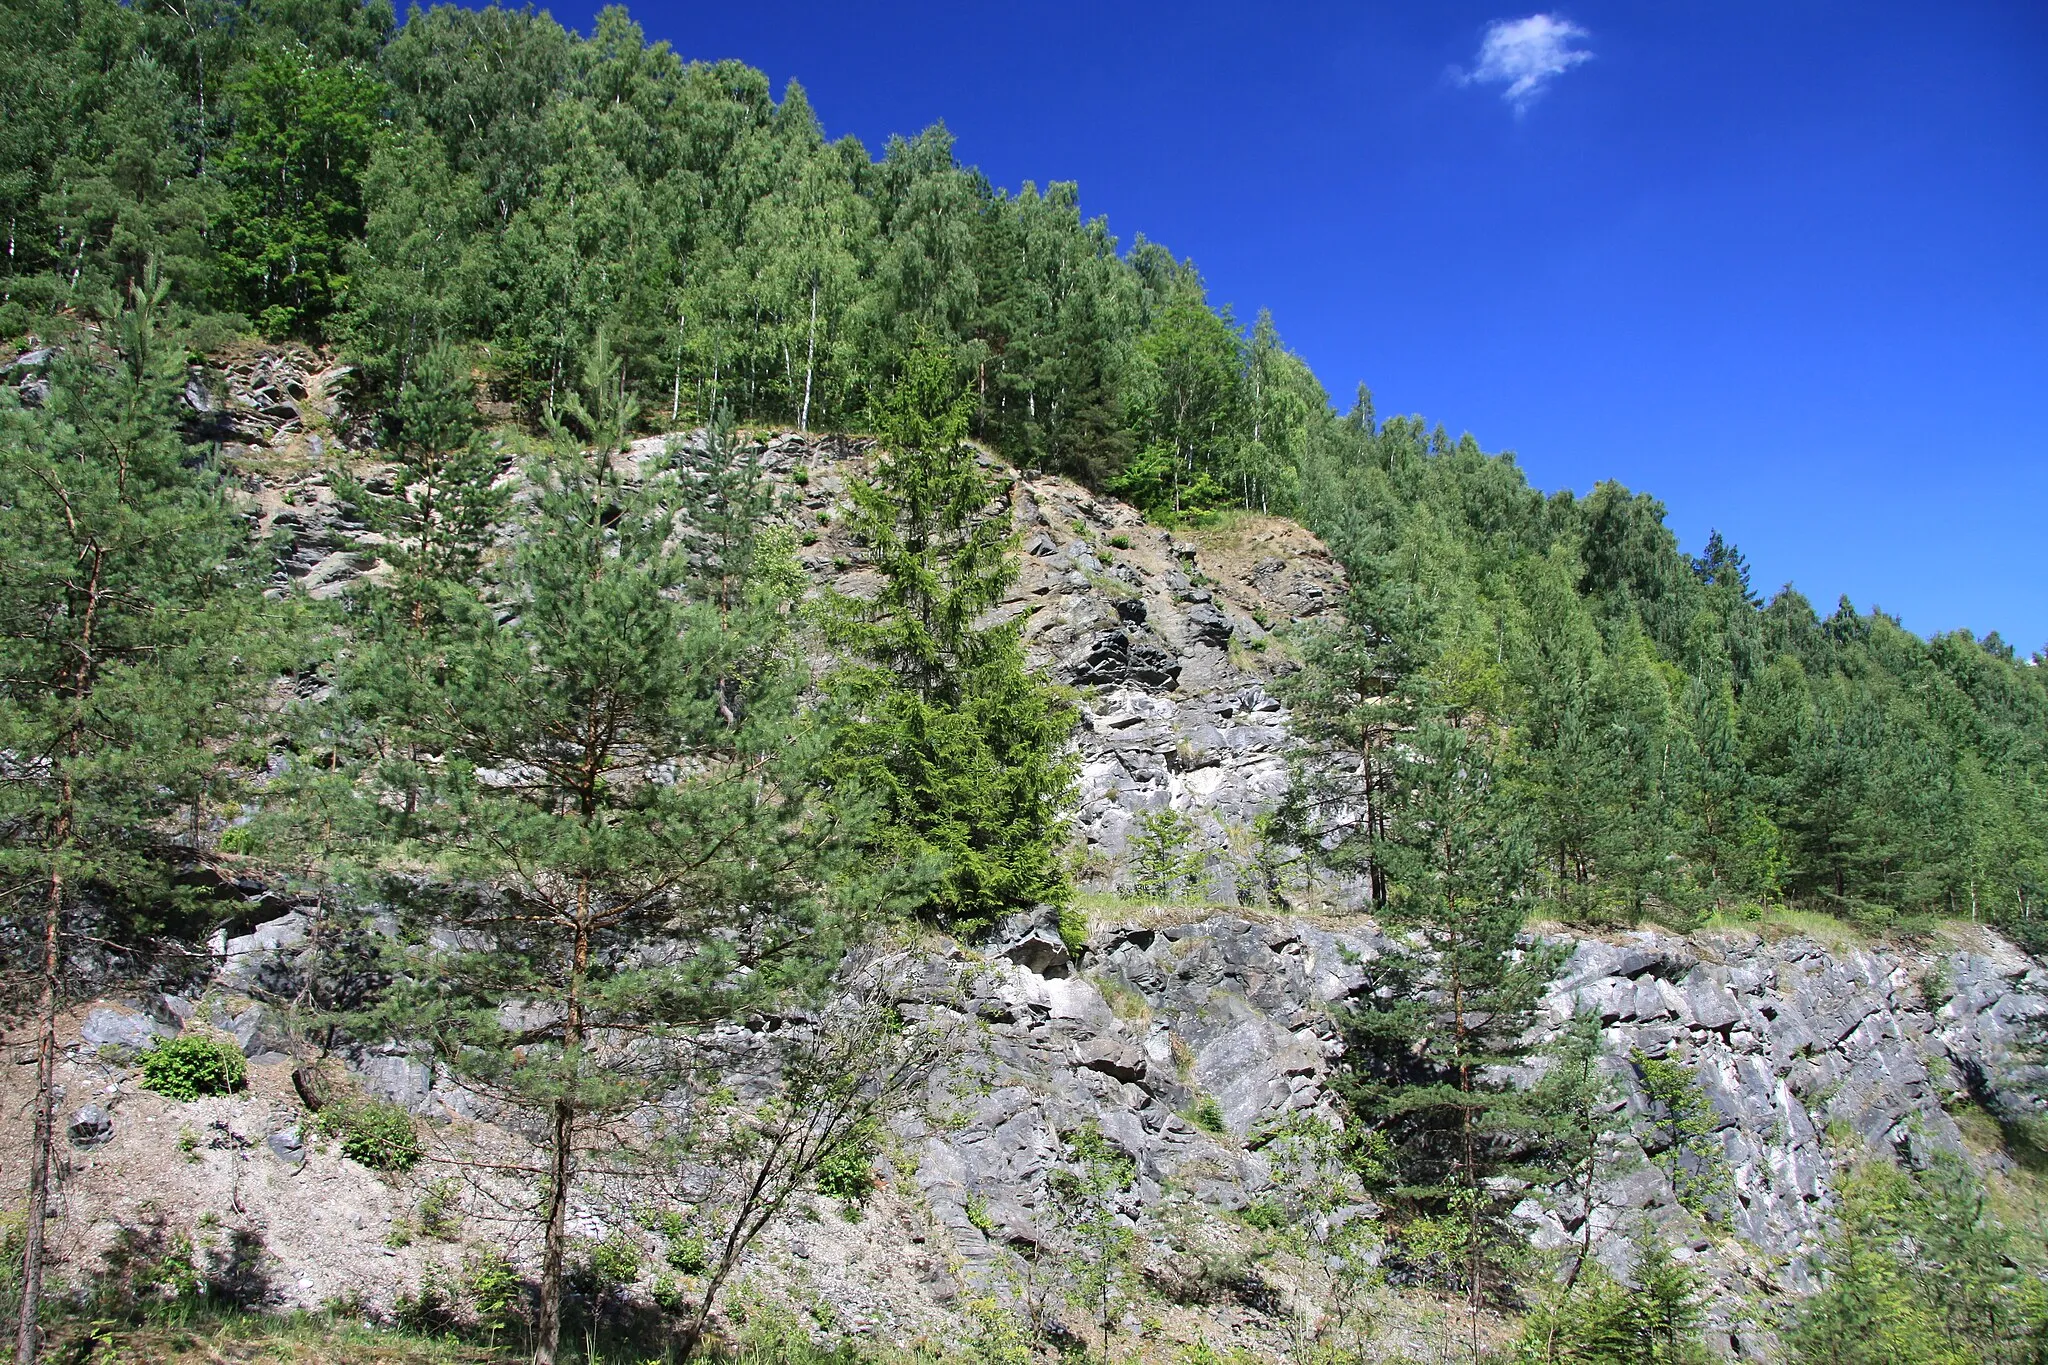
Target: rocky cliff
x=1182, y=1032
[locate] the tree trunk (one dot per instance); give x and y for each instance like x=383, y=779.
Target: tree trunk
x=561, y=1165
x=27, y=1337
x=803, y=420
x=548, y=1331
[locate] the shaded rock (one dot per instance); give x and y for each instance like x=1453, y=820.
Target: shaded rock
x=1041, y=951
x=289, y=1146
x=1206, y=625
x=1112, y=1057
x=121, y=1026
x=90, y=1126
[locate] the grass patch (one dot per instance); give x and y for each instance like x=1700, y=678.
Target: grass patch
x=251, y=1339
x=1126, y=1001
x=1775, y=922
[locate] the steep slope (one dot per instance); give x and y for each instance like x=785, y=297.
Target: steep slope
x=1182, y=1033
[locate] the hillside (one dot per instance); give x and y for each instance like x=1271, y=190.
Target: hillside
x=629, y=731
x=1186, y=1023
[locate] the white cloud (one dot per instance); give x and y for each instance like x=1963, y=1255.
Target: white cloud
x=1525, y=55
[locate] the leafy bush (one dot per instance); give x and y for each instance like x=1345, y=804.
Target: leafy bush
x=374, y=1133
x=441, y=1209
x=1074, y=929
x=669, y=1295
x=603, y=1271
x=1207, y=1115
x=492, y=1287
x=431, y=1309
x=187, y=1067
x=687, y=1254
x=847, y=1171
x=1682, y=1120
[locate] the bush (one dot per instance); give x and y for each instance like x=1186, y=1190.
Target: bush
x=1074, y=929
x=847, y=1171
x=213, y=332
x=441, y=1209
x=610, y=1266
x=187, y=1067
x=374, y=1133
x=1207, y=1115
x=687, y=1254
x=492, y=1286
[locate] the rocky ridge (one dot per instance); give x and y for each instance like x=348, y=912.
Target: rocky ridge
x=1167, y=1019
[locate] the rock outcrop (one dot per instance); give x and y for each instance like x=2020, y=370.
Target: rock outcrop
x=1181, y=1034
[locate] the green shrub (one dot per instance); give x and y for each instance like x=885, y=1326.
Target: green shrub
x=669, y=1295
x=374, y=1133
x=687, y=1254
x=1207, y=1115
x=1267, y=1215
x=1074, y=929
x=441, y=1209
x=14, y=319
x=212, y=332
x=187, y=1067
x=492, y=1287
x=1121, y=541
x=847, y=1171
x=612, y=1264
x=431, y=1310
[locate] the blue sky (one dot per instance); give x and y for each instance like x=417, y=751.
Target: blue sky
x=1783, y=264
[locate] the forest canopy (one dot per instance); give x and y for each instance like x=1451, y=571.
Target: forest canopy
x=488, y=185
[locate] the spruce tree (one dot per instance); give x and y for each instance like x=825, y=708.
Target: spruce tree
x=130, y=665
x=949, y=732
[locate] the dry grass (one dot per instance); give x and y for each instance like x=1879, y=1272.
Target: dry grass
x=1774, y=922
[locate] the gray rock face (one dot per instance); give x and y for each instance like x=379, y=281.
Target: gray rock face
x=90, y=1126
x=289, y=1146
x=1162, y=1025
x=119, y=1025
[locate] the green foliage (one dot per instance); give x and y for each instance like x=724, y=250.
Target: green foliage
x=1086, y=1188
x=1920, y=1270
x=1207, y=1115
x=374, y=1133
x=1446, y=1011
x=612, y=1263
x=1674, y=744
x=1073, y=927
x=1166, y=861
x=1317, y=1208
x=686, y=1253
x=194, y=1064
x=1651, y=1320
x=1682, y=1121
x=946, y=729
x=440, y=1209
x=846, y=1172
x=130, y=660
x=488, y=182
x=304, y=132
x=492, y=1286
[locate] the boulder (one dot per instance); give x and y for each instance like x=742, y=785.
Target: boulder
x=91, y=1126
x=121, y=1025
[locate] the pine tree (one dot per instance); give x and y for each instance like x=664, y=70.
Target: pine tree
x=130, y=663
x=627, y=791
x=1448, y=1008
